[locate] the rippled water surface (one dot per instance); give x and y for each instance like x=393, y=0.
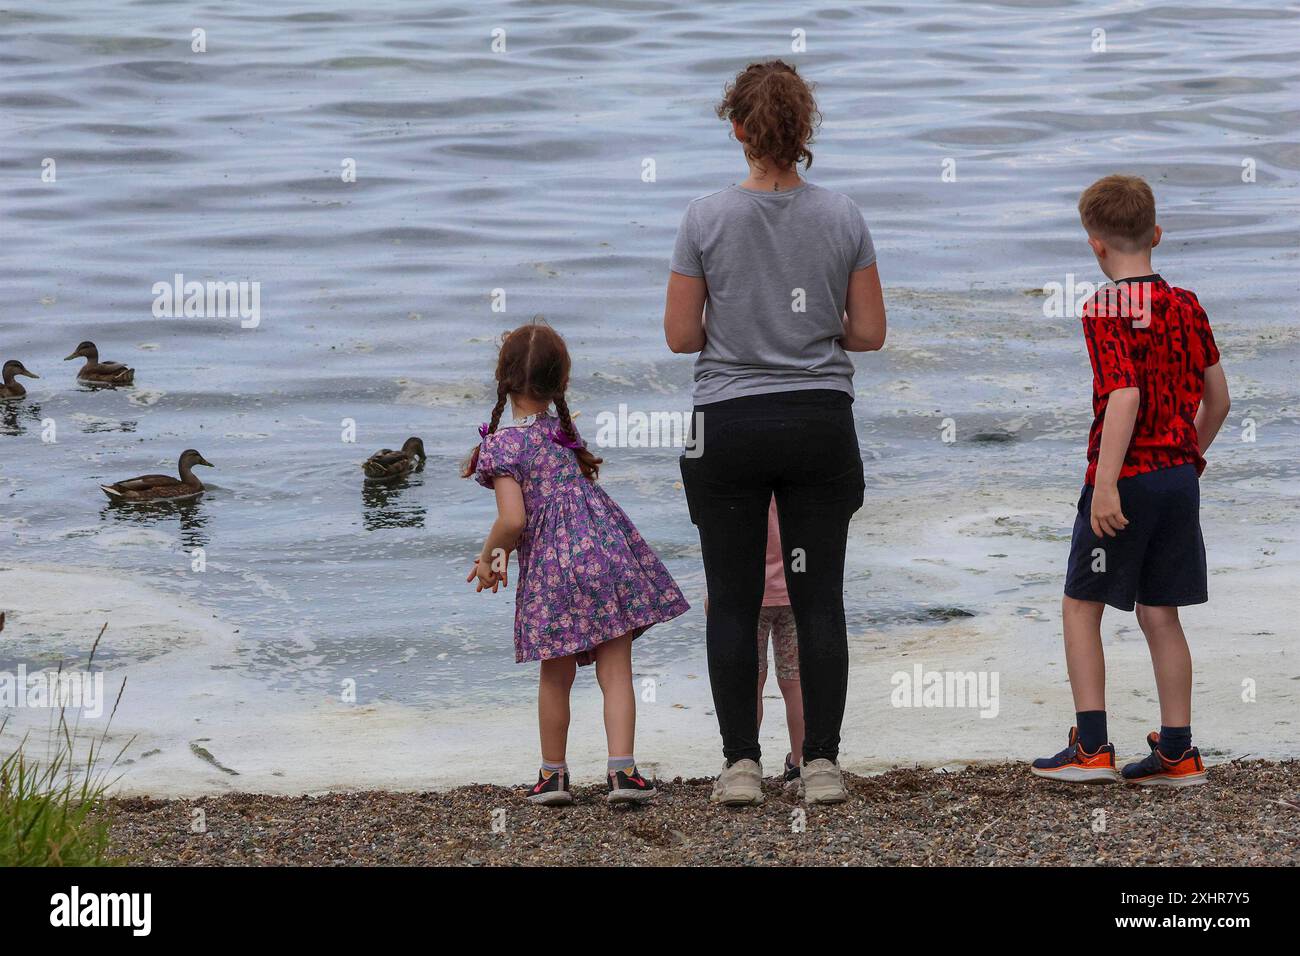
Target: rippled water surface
x=522, y=171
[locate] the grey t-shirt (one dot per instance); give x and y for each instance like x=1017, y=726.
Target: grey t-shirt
x=777, y=265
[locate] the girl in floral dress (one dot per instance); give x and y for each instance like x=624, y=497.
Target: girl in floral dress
x=588, y=584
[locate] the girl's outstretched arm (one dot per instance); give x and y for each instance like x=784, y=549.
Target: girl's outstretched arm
x=490, y=566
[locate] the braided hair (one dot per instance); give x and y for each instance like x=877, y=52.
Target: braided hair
x=534, y=362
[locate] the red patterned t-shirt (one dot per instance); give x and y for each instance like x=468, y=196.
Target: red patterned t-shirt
x=1143, y=333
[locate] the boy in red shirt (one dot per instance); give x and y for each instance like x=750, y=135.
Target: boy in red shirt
x=1159, y=398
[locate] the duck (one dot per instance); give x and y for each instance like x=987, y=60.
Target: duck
x=162, y=487
x=389, y=465
x=12, y=369
x=97, y=372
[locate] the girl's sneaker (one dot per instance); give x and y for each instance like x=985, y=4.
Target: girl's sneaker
x=1076, y=765
x=552, y=791
x=1157, y=770
x=628, y=786
x=790, y=778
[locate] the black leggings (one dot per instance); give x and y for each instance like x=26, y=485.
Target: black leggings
x=802, y=447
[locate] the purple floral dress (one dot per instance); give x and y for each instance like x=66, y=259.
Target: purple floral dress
x=586, y=575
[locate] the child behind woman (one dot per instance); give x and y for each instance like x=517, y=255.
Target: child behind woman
x=588, y=583
x=776, y=620
x=776, y=623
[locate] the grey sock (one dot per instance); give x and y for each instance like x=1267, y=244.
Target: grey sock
x=621, y=763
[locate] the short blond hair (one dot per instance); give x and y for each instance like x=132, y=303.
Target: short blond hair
x=1121, y=210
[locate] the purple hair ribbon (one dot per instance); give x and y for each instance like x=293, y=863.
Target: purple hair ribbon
x=558, y=436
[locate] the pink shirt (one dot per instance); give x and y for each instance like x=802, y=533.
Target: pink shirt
x=774, y=591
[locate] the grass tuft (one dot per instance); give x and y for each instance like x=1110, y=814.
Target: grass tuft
x=52, y=810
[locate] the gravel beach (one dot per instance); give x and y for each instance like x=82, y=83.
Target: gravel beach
x=1247, y=815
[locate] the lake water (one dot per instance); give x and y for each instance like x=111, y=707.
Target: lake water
x=524, y=170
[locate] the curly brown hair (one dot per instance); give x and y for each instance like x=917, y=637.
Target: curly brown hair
x=775, y=107
x=534, y=362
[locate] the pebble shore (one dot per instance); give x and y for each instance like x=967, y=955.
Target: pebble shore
x=1247, y=815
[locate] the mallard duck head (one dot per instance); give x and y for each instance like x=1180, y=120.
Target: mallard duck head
x=14, y=367
x=414, y=446
x=190, y=458
x=85, y=350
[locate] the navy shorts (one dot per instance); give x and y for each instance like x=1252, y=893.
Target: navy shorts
x=1158, y=559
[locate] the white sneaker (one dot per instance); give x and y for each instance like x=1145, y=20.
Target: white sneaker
x=821, y=782
x=740, y=784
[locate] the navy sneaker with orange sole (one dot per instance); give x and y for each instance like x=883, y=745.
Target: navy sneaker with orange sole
x=1076, y=765
x=1157, y=770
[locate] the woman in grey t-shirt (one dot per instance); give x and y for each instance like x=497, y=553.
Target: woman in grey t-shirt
x=773, y=281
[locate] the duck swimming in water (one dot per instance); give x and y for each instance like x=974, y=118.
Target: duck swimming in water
x=97, y=372
x=389, y=465
x=10, y=388
x=162, y=487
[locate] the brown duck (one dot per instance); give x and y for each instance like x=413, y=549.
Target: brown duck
x=12, y=369
x=389, y=465
x=97, y=372
x=162, y=487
